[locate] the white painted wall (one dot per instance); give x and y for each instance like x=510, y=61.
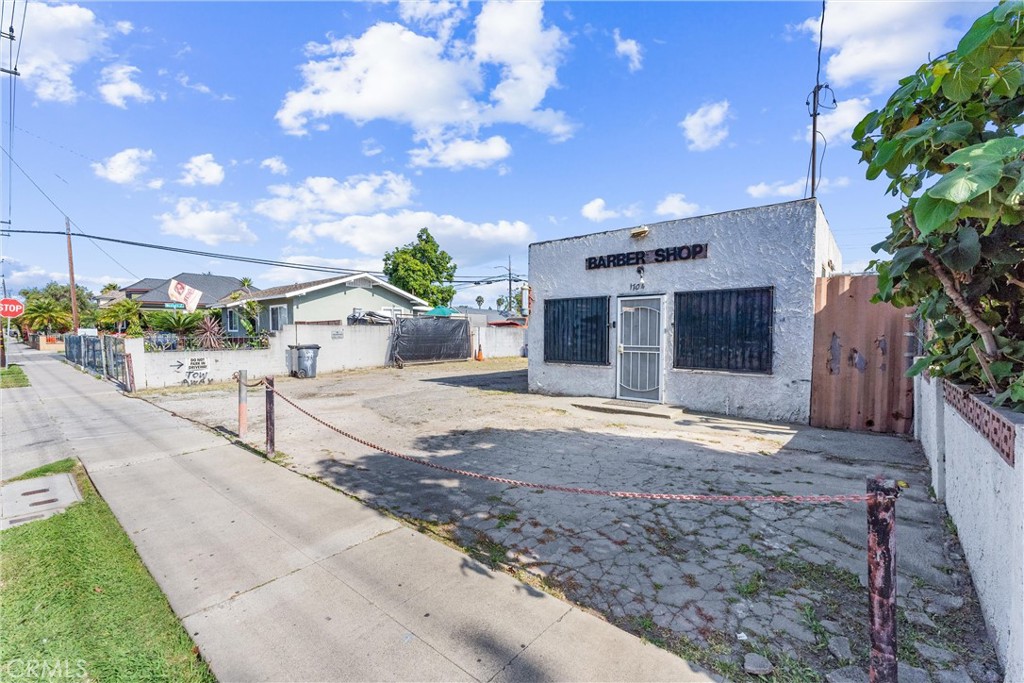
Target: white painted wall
x=765, y=246
x=985, y=498
x=341, y=348
x=500, y=342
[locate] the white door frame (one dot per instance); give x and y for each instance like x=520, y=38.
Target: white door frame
x=658, y=350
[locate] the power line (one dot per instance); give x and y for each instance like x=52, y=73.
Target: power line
x=206, y=254
x=63, y=213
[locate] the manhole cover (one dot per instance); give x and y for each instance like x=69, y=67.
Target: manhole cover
x=39, y=498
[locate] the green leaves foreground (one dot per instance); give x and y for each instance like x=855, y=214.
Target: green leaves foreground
x=948, y=141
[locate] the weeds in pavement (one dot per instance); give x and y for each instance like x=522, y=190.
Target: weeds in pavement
x=751, y=586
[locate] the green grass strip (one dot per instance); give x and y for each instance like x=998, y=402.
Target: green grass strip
x=59, y=467
x=78, y=604
x=13, y=377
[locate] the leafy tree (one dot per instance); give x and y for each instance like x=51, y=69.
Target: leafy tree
x=422, y=268
x=62, y=294
x=43, y=313
x=947, y=140
x=479, y=302
x=513, y=305
x=110, y=287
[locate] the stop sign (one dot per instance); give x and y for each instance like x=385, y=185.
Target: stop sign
x=11, y=308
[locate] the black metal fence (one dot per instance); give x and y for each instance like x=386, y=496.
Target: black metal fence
x=156, y=342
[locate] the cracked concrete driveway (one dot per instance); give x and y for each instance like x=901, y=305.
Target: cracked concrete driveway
x=713, y=582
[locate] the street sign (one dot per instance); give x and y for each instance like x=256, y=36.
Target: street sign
x=174, y=305
x=11, y=308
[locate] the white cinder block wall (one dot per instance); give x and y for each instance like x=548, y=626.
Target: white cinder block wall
x=985, y=498
x=784, y=246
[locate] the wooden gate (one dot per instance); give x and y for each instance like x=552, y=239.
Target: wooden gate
x=861, y=353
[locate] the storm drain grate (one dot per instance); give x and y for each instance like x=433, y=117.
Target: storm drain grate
x=32, y=499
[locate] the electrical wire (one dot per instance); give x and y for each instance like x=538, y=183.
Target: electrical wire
x=63, y=213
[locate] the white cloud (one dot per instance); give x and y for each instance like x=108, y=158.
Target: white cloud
x=387, y=73
x=837, y=125
x=202, y=170
x=433, y=84
x=439, y=17
x=62, y=38
x=125, y=167
x=377, y=233
x=705, y=128
x=458, y=153
x=186, y=82
x=630, y=49
x=124, y=27
x=206, y=222
x=596, y=210
x=371, y=148
x=676, y=206
x=512, y=35
x=117, y=86
x=155, y=183
x=880, y=42
x=320, y=198
x=795, y=189
x=275, y=165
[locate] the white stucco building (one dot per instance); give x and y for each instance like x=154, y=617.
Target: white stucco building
x=713, y=313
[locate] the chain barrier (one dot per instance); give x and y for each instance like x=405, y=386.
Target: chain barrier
x=257, y=383
x=685, y=497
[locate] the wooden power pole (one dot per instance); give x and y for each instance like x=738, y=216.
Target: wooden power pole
x=71, y=276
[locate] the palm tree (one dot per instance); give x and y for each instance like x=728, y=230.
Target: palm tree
x=181, y=323
x=45, y=313
x=121, y=315
x=110, y=287
x=479, y=302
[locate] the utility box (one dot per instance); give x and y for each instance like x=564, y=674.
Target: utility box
x=303, y=359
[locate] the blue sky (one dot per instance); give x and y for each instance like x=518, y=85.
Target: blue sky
x=328, y=133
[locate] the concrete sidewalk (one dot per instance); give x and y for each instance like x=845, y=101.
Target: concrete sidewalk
x=278, y=578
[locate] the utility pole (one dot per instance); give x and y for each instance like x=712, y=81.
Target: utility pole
x=71, y=276
x=814, y=102
x=511, y=277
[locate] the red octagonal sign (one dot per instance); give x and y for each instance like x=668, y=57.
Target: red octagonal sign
x=11, y=308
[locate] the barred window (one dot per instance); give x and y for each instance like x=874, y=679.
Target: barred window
x=725, y=330
x=576, y=330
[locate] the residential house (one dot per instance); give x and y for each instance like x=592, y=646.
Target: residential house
x=328, y=301
x=213, y=287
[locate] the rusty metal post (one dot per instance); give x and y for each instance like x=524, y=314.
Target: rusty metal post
x=243, y=405
x=882, y=494
x=270, y=416
x=129, y=370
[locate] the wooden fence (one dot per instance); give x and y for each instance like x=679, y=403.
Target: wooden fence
x=861, y=353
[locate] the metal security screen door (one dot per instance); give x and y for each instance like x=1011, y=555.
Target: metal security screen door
x=640, y=349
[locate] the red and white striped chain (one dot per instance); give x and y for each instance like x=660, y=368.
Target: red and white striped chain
x=692, y=497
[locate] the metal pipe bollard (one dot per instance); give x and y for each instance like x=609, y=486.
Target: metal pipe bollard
x=882, y=495
x=270, y=416
x=243, y=405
